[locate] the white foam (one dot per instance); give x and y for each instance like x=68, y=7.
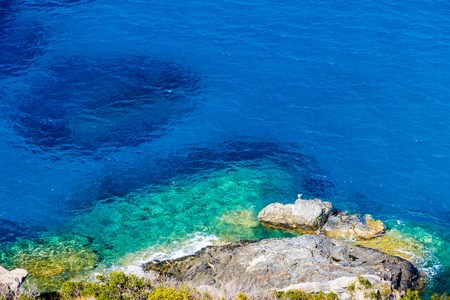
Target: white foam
x=194, y=243
x=132, y=263
x=432, y=271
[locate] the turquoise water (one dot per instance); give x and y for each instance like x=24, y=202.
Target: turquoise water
x=140, y=129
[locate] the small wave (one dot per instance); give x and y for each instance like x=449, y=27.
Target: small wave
x=131, y=263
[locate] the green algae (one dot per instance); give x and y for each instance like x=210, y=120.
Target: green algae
x=238, y=224
x=397, y=243
x=50, y=261
x=240, y=218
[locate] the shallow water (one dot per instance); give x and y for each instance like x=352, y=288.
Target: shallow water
x=130, y=128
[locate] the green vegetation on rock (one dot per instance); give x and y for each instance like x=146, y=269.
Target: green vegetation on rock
x=114, y=286
x=118, y=286
x=302, y=295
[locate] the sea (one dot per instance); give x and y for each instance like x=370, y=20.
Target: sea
x=138, y=130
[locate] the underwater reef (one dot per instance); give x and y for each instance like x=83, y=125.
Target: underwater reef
x=51, y=261
x=88, y=104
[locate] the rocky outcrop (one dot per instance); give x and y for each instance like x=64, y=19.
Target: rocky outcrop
x=12, y=279
x=308, y=216
x=353, y=226
x=277, y=264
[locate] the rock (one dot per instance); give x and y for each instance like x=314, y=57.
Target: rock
x=337, y=286
x=361, y=287
x=12, y=279
x=354, y=226
x=306, y=215
x=276, y=264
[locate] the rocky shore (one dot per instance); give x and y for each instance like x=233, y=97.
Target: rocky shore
x=323, y=259
x=308, y=262
x=311, y=262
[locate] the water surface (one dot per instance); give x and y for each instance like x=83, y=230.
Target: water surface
x=134, y=128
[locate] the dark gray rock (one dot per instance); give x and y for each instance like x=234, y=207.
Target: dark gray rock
x=276, y=264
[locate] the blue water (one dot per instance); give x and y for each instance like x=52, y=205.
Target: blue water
x=99, y=99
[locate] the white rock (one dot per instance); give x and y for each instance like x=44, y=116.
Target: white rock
x=13, y=279
x=309, y=215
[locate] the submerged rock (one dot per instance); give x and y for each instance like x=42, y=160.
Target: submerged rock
x=307, y=216
x=277, y=264
x=399, y=243
x=12, y=279
x=50, y=261
x=89, y=104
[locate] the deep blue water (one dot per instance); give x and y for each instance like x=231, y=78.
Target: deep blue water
x=101, y=98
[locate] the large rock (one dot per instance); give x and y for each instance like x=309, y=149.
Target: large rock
x=353, y=226
x=12, y=279
x=277, y=264
x=306, y=215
